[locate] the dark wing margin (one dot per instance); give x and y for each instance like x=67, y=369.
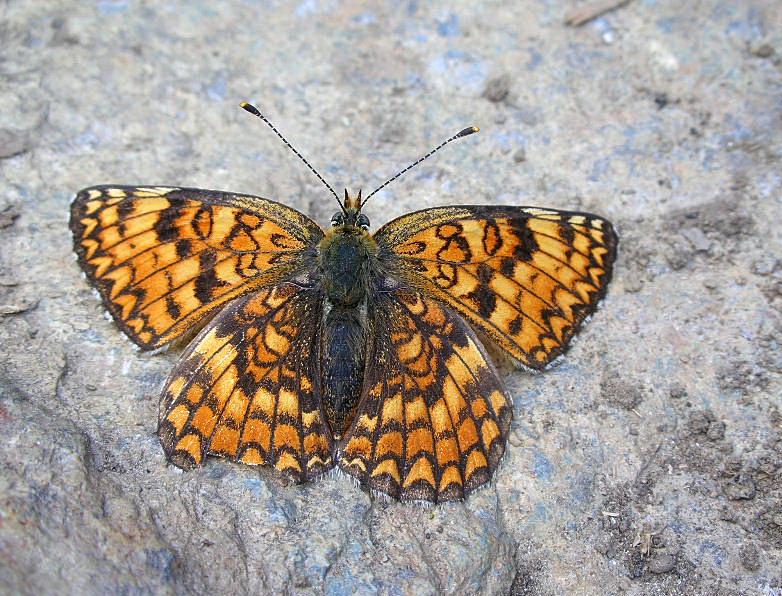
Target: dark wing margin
x=527, y=277
x=247, y=388
x=433, y=417
x=163, y=259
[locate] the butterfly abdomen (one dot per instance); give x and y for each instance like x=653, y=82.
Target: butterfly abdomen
x=342, y=366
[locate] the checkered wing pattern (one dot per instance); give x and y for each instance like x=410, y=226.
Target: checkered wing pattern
x=433, y=417
x=163, y=259
x=247, y=387
x=527, y=277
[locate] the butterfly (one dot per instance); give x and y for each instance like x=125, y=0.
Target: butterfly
x=340, y=348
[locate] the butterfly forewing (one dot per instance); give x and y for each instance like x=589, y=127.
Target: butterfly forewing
x=247, y=387
x=527, y=277
x=434, y=417
x=165, y=258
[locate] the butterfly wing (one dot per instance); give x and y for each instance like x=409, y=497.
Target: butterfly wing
x=247, y=387
x=433, y=417
x=527, y=277
x=163, y=259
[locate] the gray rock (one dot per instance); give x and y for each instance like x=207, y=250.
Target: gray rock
x=146, y=93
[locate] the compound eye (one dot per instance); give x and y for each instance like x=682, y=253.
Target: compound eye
x=362, y=221
x=337, y=219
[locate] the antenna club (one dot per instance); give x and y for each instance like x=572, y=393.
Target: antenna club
x=468, y=131
x=250, y=108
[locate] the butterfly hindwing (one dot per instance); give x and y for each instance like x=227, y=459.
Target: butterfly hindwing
x=433, y=417
x=165, y=258
x=247, y=387
x=527, y=277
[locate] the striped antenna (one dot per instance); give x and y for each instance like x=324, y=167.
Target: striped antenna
x=462, y=133
x=256, y=112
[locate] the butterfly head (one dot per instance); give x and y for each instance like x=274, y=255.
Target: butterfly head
x=350, y=217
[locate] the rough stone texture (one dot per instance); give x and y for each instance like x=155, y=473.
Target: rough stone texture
x=648, y=462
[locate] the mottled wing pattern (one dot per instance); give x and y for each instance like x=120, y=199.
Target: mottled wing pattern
x=164, y=258
x=527, y=277
x=247, y=387
x=433, y=417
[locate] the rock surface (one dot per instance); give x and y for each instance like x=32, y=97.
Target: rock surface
x=648, y=462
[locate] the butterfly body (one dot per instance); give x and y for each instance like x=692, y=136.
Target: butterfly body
x=346, y=254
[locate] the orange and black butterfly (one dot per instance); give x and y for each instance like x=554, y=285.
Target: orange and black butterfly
x=341, y=348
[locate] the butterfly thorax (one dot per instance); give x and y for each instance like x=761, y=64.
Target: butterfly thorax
x=345, y=254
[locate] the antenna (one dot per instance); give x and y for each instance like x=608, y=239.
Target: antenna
x=255, y=112
x=462, y=133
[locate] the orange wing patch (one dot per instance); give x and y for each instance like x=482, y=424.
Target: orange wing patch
x=434, y=417
x=246, y=388
x=164, y=258
x=528, y=277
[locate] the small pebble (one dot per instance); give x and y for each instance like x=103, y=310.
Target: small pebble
x=764, y=266
x=602, y=546
x=497, y=89
x=750, y=557
x=764, y=50
x=677, y=391
x=520, y=155
x=711, y=283
x=741, y=489
x=662, y=563
x=716, y=430
x=696, y=238
x=698, y=423
x=633, y=285
x=8, y=215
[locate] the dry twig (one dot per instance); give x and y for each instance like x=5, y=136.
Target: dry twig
x=576, y=17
